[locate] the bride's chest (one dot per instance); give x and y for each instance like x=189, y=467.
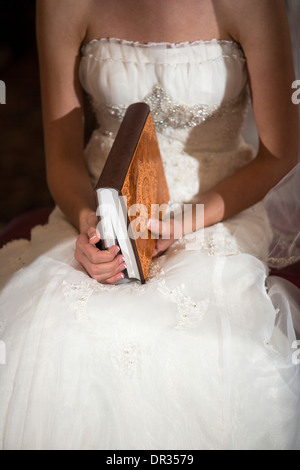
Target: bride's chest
x=115, y=71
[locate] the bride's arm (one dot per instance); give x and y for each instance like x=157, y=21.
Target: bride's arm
x=60, y=31
x=261, y=27
x=61, y=28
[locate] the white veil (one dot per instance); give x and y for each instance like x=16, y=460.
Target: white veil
x=283, y=206
x=283, y=202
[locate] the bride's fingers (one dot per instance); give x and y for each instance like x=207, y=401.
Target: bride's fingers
x=105, y=271
x=155, y=226
x=92, y=253
x=100, y=265
x=93, y=220
x=93, y=235
x=101, y=260
x=114, y=279
x=161, y=247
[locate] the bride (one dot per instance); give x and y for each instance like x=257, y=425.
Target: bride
x=200, y=357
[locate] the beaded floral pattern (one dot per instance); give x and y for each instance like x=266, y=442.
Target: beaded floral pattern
x=166, y=112
x=127, y=358
x=78, y=294
x=189, y=311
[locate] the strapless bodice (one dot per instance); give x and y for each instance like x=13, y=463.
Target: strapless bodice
x=198, y=95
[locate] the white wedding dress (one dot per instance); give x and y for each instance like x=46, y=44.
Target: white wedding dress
x=199, y=357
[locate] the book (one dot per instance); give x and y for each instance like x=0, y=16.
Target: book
x=132, y=188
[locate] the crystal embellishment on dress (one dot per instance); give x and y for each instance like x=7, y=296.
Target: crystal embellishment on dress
x=166, y=112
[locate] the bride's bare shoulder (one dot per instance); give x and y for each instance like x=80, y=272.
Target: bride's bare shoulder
x=246, y=19
x=62, y=20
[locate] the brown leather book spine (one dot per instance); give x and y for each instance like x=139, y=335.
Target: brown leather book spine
x=123, y=148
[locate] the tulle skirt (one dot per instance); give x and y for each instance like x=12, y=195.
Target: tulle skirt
x=203, y=356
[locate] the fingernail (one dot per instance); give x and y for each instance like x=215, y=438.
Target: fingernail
x=121, y=276
x=117, y=250
x=93, y=237
x=153, y=224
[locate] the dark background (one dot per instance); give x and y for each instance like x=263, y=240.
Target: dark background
x=23, y=184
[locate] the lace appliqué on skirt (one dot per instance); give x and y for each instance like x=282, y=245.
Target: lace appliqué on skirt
x=78, y=295
x=127, y=358
x=156, y=271
x=189, y=311
x=219, y=243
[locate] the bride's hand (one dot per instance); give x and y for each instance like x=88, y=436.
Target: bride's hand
x=172, y=229
x=166, y=231
x=105, y=266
